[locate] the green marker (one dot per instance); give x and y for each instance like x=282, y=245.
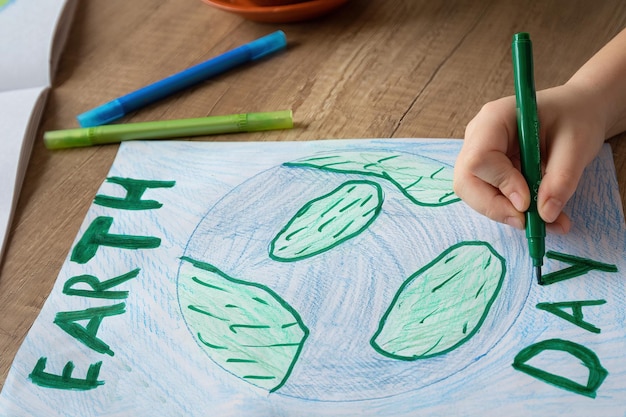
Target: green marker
x=168, y=129
x=528, y=131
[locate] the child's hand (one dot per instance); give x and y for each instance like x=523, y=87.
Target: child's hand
x=487, y=175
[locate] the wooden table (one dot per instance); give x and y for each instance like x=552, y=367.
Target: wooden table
x=373, y=68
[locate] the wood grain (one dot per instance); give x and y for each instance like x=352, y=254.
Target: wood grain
x=373, y=68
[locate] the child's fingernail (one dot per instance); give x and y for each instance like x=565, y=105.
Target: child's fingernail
x=551, y=209
x=514, y=222
x=517, y=201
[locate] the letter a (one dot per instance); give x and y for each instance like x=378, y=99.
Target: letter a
x=87, y=335
x=577, y=312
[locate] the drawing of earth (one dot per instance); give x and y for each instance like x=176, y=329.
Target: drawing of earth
x=342, y=278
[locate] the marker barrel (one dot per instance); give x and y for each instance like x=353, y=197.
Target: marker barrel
x=135, y=100
x=168, y=129
x=528, y=133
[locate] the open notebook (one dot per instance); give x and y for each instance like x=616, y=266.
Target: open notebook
x=32, y=33
x=325, y=278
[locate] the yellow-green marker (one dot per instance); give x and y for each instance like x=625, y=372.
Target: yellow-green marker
x=168, y=129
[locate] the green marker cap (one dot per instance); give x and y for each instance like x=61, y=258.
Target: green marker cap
x=269, y=121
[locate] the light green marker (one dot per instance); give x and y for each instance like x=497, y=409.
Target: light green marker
x=168, y=129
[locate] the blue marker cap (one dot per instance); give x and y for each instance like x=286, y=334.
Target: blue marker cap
x=268, y=44
x=101, y=115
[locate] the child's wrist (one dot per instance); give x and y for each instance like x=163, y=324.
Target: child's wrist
x=590, y=95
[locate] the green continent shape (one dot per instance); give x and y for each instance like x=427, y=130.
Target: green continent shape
x=424, y=181
x=325, y=222
x=442, y=305
x=245, y=327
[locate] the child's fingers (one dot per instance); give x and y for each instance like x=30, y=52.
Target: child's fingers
x=490, y=184
x=497, y=170
x=484, y=175
x=489, y=201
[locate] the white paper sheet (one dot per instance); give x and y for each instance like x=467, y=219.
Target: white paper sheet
x=234, y=295
x=18, y=117
x=27, y=31
x=27, y=55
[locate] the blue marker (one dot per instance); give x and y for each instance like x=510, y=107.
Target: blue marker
x=121, y=106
